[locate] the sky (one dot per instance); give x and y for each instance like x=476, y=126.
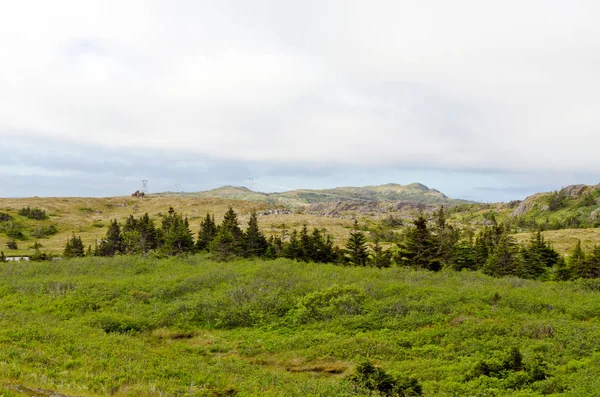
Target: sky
x=482, y=100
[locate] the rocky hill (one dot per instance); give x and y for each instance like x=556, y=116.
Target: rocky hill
x=393, y=195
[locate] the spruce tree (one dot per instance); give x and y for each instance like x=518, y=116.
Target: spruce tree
x=256, y=243
x=593, y=261
x=208, y=231
x=292, y=249
x=380, y=257
x=464, y=256
x=578, y=266
x=229, y=241
x=420, y=247
x=177, y=238
x=306, y=252
x=504, y=259
x=74, y=247
x=356, y=248
x=113, y=242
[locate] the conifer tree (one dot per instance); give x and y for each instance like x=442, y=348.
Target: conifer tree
x=578, y=266
x=420, y=248
x=380, y=257
x=2, y=257
x=356, y=247
x=74, y=247
x=504, y=260
x=177, y=238
x=256, y=243
x=306, y=252
x=561, y=270
x=292, y=249
x=446, y=237
x=229, y=240
x=113, y=242
x=593, y=261
x=464, y=256
x=208, y=231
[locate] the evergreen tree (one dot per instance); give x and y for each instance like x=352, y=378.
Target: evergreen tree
x=447, y=237
x=380, y=257
x=256, y=243
x=322, y=247
x=177, y=238
x=593, y=263
x=113, y=242
x=464, y=256
x=306, y=252
x=74, y=248
x=292, y=249
x=274, y=248
x=420, y=248
x=207, y=233
x=504, y=260
x=578, y=266
x=356, y=248
x=229, y=241
x=2, y=257
x=562, y=271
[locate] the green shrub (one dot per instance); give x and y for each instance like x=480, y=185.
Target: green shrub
x=33, y=213
x=329, y=303
x=372, y=379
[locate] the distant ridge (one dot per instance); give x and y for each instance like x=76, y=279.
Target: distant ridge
x=390, y=192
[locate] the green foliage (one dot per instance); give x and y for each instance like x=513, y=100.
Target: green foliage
x=207, y=233
x=368, y=377
x=332, y=302
x=33, y=213
x=356, y=248
x=41, y=231
x=420, y=248
x=4, y=217
x=140, y=235
x=74, y=247
x=380, y=257
x=12, y=245
x=177, y=238
x=113, y=242
x=504, y=259
x=557, y=200
x=255, y=241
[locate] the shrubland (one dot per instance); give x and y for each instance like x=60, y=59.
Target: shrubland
x=189, y=325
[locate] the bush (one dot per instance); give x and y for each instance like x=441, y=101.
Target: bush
x=33, y=213
x=327, y=304
x=12, y=245
x=4, y=217
x=367, y=376
x=44, y=231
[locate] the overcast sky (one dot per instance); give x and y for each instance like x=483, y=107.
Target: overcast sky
x=484, y=100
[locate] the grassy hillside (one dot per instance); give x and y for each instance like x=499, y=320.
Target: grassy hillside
x=415, y=192
x=141, y=327
x=90, y=217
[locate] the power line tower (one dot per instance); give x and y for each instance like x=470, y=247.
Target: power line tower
x=145, y=186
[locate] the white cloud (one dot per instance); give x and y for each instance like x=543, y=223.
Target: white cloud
x=467, y=84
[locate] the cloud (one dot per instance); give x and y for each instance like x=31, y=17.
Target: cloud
x=465, y=86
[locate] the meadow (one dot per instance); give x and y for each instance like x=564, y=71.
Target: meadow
x=135, y=326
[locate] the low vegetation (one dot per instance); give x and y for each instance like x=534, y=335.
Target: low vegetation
x=130, y=325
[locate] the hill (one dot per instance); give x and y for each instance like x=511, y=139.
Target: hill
x=415, y=192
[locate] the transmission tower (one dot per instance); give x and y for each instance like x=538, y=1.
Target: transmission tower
x=145, y=186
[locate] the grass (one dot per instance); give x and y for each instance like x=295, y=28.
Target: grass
x=565, y=240
x=131, y=326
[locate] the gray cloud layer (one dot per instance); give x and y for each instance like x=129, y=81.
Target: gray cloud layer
x=287, y=88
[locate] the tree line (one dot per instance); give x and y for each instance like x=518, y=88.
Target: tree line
x=426, y=244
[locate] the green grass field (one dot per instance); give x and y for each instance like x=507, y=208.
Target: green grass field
x=131, y=326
